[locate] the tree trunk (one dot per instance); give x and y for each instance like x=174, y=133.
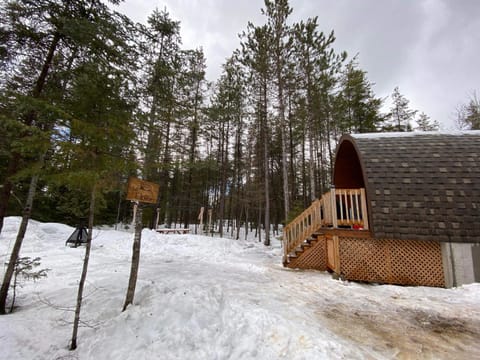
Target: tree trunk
x=284, y=149
x=311, y=141
x=132, y=282
x=81, y=285
x=311, y=167
x=27, y=211
x=267, y=190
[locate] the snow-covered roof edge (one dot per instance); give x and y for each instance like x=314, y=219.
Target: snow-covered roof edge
x=414, y=133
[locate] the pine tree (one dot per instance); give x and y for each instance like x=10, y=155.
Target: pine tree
x=160, y=77
x=400, y=116
x=468, y=115
x=40, y=34
x=316, y=66
x=255, y=56
x=192, y=88
x=359, y=110
x=54, y=34
x=425, y=124
x=226, y=117
x=277, y=12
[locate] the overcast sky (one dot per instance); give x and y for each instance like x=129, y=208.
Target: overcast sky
x=430, y=49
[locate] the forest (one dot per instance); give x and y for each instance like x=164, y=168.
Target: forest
x=88, y=99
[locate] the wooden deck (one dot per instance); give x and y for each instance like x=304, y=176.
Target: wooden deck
x=337, y=209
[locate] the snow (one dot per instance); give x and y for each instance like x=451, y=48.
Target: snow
x=202, y=297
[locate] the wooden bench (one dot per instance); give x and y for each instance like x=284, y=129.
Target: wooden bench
x=173, y=231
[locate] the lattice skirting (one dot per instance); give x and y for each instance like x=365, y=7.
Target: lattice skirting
x=314, y=257
x=391, y=261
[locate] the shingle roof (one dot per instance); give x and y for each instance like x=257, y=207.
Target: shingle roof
x=422, y=186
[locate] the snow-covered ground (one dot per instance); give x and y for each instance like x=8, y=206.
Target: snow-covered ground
x=200, y=297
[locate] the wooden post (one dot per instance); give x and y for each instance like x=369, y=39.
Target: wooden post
x=135, y=207
x=158, y=218
x=210, y=220
x=333, y=203
x=336, y=247
x=357, y=209
x=200, y=218
x=364, y=209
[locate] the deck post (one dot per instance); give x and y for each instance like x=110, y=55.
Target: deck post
x=333, y=202
x=364, y=208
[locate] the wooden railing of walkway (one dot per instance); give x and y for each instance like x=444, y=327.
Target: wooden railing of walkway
x=351, y=212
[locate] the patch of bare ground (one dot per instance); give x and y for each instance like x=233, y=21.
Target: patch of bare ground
x=407, y=333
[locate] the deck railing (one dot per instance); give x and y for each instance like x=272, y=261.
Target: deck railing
x=351, y=212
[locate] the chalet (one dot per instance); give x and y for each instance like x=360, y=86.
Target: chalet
x=404, y=208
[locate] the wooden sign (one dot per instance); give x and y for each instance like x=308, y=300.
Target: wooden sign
x=142, y=191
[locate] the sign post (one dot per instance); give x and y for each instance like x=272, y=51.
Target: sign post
x=210, y=221
x=200, y=218
x=139, y=191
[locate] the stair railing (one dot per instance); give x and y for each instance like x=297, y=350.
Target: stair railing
x=338, y=207
x=351, y=208
x=305, y=224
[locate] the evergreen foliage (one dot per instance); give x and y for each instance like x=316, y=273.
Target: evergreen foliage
x=25, y=270
x=401, y=116
x=424, y=123
x=468, y=114
x=102, y=99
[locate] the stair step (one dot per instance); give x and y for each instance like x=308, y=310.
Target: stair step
x=298, y=251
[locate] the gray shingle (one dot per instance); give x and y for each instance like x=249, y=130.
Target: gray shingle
x=422, y=186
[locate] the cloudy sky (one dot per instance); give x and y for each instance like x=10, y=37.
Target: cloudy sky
x=430, y=49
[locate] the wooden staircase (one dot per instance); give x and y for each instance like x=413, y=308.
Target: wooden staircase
x=309, y=254
x=305, y=239
x=307, y=244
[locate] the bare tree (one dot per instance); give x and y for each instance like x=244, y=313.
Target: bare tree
x=83, y=277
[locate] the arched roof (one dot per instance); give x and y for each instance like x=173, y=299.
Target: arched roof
x=419, y=186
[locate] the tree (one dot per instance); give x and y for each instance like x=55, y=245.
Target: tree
x=83, y=277
x=75, y=34
x=255, y=55
x=317, y=66
x=468, y=115
x=160, y=78
x=93, y=150
x=400, y=116
x=277, y=12
x=192, y=87
x=225, y=117
x=425, y=124
x=38, y=35
x=357, y=107
x=24, y=269
x=137, y=244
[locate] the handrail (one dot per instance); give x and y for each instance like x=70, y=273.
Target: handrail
x=351, y=210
